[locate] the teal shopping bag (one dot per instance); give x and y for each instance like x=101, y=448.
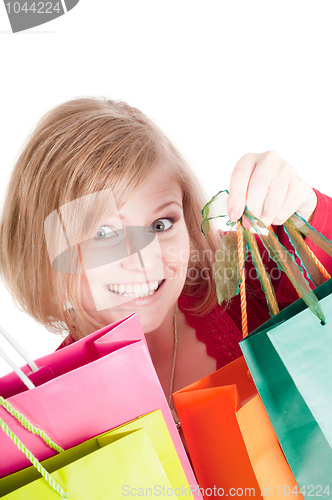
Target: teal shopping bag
x=290, y=360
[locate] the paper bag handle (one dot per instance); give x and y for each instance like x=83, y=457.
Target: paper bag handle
x=35, y=430
x=18, y=348
x=266, y=283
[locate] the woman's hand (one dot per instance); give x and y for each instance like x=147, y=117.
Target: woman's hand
x=270, y=188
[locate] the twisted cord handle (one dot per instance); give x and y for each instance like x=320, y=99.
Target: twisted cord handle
x=33, y=460
x=301, y=241
x=319, y=265
x=28, y=425
x=240, y=246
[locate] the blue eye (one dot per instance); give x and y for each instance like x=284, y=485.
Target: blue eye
x=160, y=225
x=105, y=232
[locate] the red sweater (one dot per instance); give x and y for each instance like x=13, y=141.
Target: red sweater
x=220, y=330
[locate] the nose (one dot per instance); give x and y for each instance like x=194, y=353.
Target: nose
x=138, y=237
x=144, y=251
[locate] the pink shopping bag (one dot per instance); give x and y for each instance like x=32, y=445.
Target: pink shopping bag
x=100, y=382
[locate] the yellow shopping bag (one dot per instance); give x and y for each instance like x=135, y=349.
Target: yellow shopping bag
x=135, y=459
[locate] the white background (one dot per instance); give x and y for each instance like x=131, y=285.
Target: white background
x=220, y=77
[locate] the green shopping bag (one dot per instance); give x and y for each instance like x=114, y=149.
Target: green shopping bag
x=290, y=360
x=135, y=459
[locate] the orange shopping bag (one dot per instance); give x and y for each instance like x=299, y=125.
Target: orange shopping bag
x=231, y=441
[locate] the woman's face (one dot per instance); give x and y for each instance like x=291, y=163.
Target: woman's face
x=146, y=247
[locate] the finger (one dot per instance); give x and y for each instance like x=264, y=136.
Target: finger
x=238, y=185
x=293, y=200
x=276, y=195
x=308, y=202
x=266, y=170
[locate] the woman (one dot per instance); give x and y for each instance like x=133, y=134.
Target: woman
x=92, y=172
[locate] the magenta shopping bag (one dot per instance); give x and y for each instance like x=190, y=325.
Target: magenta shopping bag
x=100, y=382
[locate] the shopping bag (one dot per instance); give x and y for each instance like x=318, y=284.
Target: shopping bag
x=82, y=390
x=289, y=356
x=137, y=458
x=233, y=447
x=290, y=361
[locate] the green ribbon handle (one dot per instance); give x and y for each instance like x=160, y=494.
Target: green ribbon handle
x=217, y=207
x=286, y=262
x=262, y=275
x=226, y=267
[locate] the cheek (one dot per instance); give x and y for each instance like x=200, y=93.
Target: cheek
x=176, y=255
x=87, y=297
x=94, y=294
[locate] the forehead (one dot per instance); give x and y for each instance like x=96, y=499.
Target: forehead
x=160, y=182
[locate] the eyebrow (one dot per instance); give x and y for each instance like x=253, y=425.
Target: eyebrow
x=164, y=205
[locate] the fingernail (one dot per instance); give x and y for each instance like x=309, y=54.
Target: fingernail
x=234, y=214
x=246, y=223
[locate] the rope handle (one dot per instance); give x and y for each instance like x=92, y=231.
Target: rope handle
x=300, y=240
x=35, y=430
x=266, y=283
x=18, y=348
x=26, y=381
x=240, y=247
x=28, y=425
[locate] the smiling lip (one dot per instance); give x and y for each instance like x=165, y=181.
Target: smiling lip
x=140, y=282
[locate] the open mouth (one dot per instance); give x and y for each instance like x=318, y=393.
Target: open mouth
x=136, y=290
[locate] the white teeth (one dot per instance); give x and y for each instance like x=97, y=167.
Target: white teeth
x=153, y=285
x=136, y=290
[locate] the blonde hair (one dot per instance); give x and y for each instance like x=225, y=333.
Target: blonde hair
x=80, y=147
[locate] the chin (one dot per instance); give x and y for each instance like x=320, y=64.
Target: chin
x=150, y=324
